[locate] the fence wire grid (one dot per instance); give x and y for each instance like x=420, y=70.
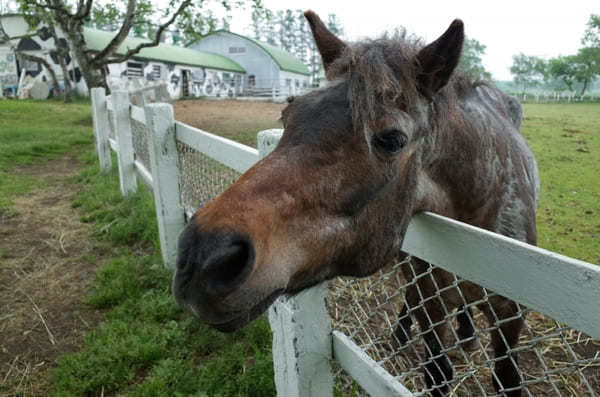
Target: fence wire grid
x=139, y=137
x=553, y=359
x=201, y=178
x=111, y=125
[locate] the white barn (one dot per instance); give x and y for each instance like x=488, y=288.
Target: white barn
x=266, y=66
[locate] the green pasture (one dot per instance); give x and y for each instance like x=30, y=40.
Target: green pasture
x=31, y=131
x=565, y=139
x=145, y=345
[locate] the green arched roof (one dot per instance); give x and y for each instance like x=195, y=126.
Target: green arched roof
x=97, y=40
x=282, y=58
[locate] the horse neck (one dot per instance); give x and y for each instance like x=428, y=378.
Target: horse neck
x=452, y=181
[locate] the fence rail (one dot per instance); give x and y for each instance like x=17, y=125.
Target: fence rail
x=349, y=324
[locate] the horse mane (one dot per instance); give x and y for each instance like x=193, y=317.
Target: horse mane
x=382, y=74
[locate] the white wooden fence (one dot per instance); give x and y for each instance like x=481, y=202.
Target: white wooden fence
x=557, y=96
x=305, y=344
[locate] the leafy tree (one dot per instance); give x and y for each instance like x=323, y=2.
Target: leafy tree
x=564, y=69
x=587, y=66
x=591, y=36
x=470, y=60
x=528, y=70
x=302, y=37
x=334, y=25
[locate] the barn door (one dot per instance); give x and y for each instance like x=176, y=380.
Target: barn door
x=185, y=83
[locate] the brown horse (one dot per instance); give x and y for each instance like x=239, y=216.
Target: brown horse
x=397, y=131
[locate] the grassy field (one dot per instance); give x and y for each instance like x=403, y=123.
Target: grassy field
x=565, y=139
x=143, y=344
x=24, y=142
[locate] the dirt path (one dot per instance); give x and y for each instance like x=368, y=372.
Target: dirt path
x=47, y=261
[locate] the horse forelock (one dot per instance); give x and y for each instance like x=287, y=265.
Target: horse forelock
x=381, y=75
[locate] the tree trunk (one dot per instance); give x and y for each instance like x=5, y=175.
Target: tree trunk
x=585, y=84
x=61, y=54
x=43, y=62
x=74, y=31
x=66, y=78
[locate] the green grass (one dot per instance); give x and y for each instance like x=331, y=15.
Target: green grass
x=565, y=139
x=33, y=131
x=146, y=346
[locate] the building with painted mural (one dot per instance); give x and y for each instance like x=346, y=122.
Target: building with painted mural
x=266, y=66
x=188, y=72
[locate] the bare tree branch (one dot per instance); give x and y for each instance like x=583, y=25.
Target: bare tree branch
x=155, y=42
x=120, y=36
x=83, y=10
x=43, y=62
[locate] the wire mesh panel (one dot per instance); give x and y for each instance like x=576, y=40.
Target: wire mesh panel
x=553, y=360
x=139, y=136
x=201, y=178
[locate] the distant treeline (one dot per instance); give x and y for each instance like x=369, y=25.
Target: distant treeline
x=573, y=73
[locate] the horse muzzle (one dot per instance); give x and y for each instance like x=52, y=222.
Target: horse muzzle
x=213, y=278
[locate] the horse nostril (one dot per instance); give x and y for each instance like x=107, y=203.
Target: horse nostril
x=227, y=267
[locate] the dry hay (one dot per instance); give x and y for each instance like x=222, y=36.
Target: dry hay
x=46, y=263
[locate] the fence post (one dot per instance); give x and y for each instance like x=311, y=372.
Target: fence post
x=100, y=120
x=125, y=158
x=160, y=123
x=302, y=342
x=163, y=93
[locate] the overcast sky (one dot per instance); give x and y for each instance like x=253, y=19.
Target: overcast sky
x=507, y=27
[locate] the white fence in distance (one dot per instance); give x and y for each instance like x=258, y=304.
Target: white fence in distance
x=304, y=345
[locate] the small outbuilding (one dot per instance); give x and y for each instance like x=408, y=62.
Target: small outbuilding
x=267, y=67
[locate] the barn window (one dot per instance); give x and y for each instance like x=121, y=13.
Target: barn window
x=135, y=69
x=237, y=50
x=288, y=82
x=156, y=69
x=30, y=66
x=227, y=78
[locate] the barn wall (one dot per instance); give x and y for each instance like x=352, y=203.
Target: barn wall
x=294, y=82
x=202, y=81
x=252, y=58
x=41, y=46
x=8, y=67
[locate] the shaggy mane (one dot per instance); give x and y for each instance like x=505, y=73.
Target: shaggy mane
x=382, y=74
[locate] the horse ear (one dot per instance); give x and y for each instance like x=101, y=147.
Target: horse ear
x=330, y=47
x=438, y=60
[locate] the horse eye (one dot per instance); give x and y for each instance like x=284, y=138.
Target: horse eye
x=389, y=142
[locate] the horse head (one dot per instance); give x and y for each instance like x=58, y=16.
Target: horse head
x=336, y=195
